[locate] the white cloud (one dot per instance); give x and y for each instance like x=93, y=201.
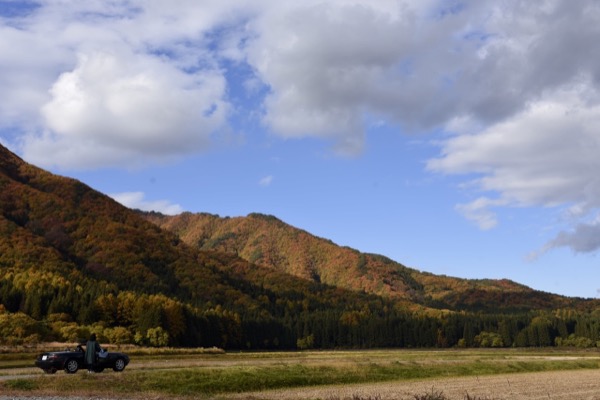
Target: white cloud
x=479, y=212
x=516, y=83
x=28, y=67
x=137, y=200
x=326, y=64
x=329, y=66
x=266, y=181
x=527, y=127
x=422, y=65
x=546, y=155
x=90, y=84
x=132, y=104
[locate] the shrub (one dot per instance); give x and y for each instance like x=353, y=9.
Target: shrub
x=157, y=337
x=489, y=339
x=306, y=343
x=118, y=335
x=574, y=341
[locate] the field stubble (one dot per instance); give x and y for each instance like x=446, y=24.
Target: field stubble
x=556, y=385
x=383, y=374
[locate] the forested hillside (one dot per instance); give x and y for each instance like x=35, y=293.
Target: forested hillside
x=267, y=241
x=73, y=261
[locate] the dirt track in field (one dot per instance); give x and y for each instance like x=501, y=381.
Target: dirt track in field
x=572, y=385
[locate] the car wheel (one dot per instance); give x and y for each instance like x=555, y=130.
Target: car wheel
x=71, y=366
x=119, y=365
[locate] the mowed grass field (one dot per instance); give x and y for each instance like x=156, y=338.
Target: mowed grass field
x=197, y=374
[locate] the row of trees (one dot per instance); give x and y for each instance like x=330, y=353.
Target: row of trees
x=32, y=312
x=332, y=329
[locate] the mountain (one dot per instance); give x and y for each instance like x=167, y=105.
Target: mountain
x=73, y=257
x=73, y=261
x=265, y=240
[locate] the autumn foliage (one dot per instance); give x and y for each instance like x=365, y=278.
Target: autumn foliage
x=73, y=261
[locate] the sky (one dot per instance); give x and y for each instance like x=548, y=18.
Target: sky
x=455, y=137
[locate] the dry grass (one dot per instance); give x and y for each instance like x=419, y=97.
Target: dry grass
x=555, y=385
x=333, y=375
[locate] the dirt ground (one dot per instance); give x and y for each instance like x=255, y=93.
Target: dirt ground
x=572, y=385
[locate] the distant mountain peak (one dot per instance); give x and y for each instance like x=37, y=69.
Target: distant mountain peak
x=267, y=241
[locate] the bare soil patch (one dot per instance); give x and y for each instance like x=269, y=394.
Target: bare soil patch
x=556, y=385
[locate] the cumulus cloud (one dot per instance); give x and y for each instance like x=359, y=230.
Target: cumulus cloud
x=332, y=65
x=111, y=84
x=528, y=131
x=133, y=104
x=327, y=64
x=422, y=65
x=28, y=68
x=515, y=85
x=137, y=200
x=546, y=155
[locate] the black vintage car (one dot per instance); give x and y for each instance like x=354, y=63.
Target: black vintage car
x=72, y=360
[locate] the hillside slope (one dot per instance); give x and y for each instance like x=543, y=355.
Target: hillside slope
x=71, y=257
x=267, y=241
x=73, y=261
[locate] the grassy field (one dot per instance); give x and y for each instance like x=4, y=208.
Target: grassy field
x=193, y=373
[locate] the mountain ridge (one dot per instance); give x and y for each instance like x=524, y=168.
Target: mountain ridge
x=74, y=261
x=266, y=240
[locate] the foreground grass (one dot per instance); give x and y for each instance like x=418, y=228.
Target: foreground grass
x=240, y=376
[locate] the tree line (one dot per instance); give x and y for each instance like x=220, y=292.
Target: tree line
x=46, y=307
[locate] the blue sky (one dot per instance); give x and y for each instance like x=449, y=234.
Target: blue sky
x=456, y=137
